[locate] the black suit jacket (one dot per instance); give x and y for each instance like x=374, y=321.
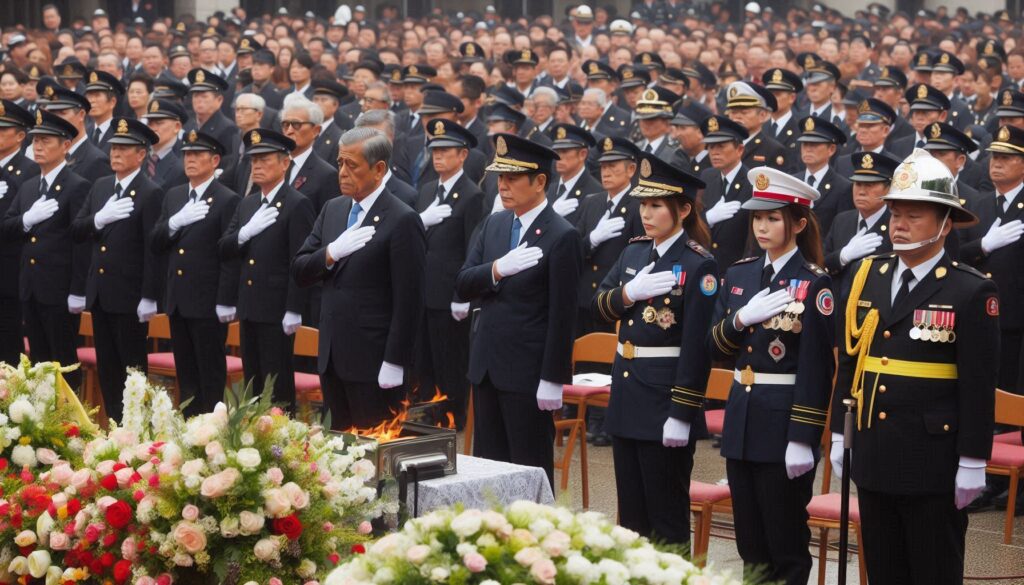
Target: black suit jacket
x=598, y=260
x=730, y=239
x=694, y=167
x=1006, y=265
x=265, y=292
x=317, y=180
x=402, y=190
x=902, y=147
x=666, y=150
x=787, y=136
x=197, y=279
x=123, y=268
x=448, y=242
x=614, y=122
x=372, y=300
x=52, y=265
x=483, y=140
x=409, y=148
x=170, y=171
x=17, y=170
x=269, y=93
x=584, y=186
x=221, y=128
x=89, y=162
x=326, y=144
x=524, y=330
x=836, y=196
x=763, y=150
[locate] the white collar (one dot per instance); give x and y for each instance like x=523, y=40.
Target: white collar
x=450, y=183
x=273, y=192
x=75, y=145
x=605, y=110
x=125, y=182
x=700, y=156
x=784, y=119
x=527, y=218
x=730, y=177
x=818, y=176
x=1011, y=195
x=872, y=219
x=201, y=188
x=656, y=143
x=618, y=196
x=665, y=246
x=920, y=271
x=160, y=154
x=104, y=125
x=817, y=113
x=370, y=199
x=51, y=176
x=326, y=123
x=301, y=89
x=227, y=70
x=7, y=159
x=781, y=261
x=543, y=126
x=571, y=181
x=297, y=161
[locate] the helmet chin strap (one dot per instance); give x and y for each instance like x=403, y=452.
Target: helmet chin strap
x=916, y=245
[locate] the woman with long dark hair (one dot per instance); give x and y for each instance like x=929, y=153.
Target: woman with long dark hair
x=774, y=317
x=661, y=291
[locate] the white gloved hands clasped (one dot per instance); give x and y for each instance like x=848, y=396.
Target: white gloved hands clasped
x=518, y=260
x=40, y=211
x=1001, y=235
x=350, y=241
x=549, y=395
x=763, y=306
x=859, y=246
x=261, y=220
x=606, y=229
x=390, y=376
x=435, y=214
x=970, y=481
x=566, y=206
x=722, y=211
x=114, y=210
x=225, y=314
x=189, y=214
x=646, y=285
x=799, y=459
x=460, y=311
x=146, y=310
x=675, y=433
x=291, y=322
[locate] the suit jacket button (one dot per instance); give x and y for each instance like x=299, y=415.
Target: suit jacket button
x=249, y=282
x=180, y=272
x=750, y=349
x=103, y=248
x=101, y=270
x=747, y=389
x=252, y=261
x=714, y=245
x=595, y=267
x=882, y=389
x=625, y=374
x=630, y=323
x=885, y=361
x=881, y=416
x=33, y=239
x=33, y=261
x=945, y=427
x=593, y=285
x=886, y=334
x=181, y=251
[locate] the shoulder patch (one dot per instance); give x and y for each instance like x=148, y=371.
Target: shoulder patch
x=745, y=260
x=701, y=250
x=815, y=269
x=970, y=270
x=640, y=239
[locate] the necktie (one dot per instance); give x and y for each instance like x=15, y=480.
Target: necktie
x=192, y=195
x=920, y=143
x=513, y=241
x=611, y=206
x=905, y=279
x=353, y=215
x=561, y=190
x=96, y=135
x=117, y=191
x=810, y=179
x=43, y=188
x=151, y=165
x=725, y=187
x=766, y=276
x=1000, y=205
x=291, y=173
x=654, y=257
x=773, y=128
x=648, y=148
x=862, y=226
x=440, y=194
x=415, y=120
x=417, y=167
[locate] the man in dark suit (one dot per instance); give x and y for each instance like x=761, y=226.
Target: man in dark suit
x=819, y=140
x=654, y=114
x=414, y=161
x=751, y=106
x=266, y=232
x=309, y=174
x=327, y=94
x=927, y=106
x=164, y=166
x=953, y=148
x=84, y=158
x=820, y=79
x=104, y=92
x=125, y=275
x=263, y=62
x=15, y=169
x=573, y=145
x=612, y=120
x=450, y=208
x=946, y=69
x=52, y=270
x=201, y=288
x=727, y=189
x=368, y=249
x=889, y=88
x=523, y=270
x=384, y=120
x=207, y=91
x=691, y=154
x=784, y=86
x=874, y=120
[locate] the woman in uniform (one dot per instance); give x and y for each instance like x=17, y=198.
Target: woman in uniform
x=661, y=291
x=775, y=317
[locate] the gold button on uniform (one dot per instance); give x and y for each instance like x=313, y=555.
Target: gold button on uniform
x=881, y=416
x=630, y=323
x=103, y=248
x=251, y=262
x=945, y=427
x=750, y=349
x=593, y=285
x=101, y=271
x=32, y=261
x=885, y=361
x=882, y=389
x=248, y=282
x=595, y=267
x=747, y=388
x=625, y=374
x=886, y=334
x=181, y=251
x=33, y=239
x=180, y=272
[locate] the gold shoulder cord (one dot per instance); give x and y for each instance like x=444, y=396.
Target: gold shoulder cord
x=865, y=334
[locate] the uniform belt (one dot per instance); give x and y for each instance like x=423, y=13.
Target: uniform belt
x=629, y=351
x=749, y=377
x=934, y=370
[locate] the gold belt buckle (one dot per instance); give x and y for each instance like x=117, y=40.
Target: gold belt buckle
x=628, y=350
x=747, y=376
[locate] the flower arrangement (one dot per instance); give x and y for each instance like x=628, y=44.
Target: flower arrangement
x=527, y=543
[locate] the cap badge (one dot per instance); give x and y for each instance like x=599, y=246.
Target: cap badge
x=200, y=76
x=627, y=74
x=608, y=144
x=526, y=55
x=470, y=49
x=396, y=75
x=49, y=91
x=438, y=128
x=594, y=69
x=809, y=125
x=154, y=107
x=904, y=178
x=867, y=162
x=192, y=136
x=646, y=59
x=777, y=76
x=864, y=107
x=645, y=168
x=2, y=111
x=650, y=95
x=122, y=126
x=1007, y=97
x=922, y=59
x=1004, y=134
x=712, y=124
x=34, y=72
x=761, y=182
x=989, y=49
x=922, y=91
x=69, y=70
x=885, y=72
x=944, y=59
x=733, y=92
x=413, y=70
x=500, y=147
x=254, y=137
x=560, y=133
x=244, y=44
x=808, y=62
x=936, y=131
x=39, y=116
x=93, y=78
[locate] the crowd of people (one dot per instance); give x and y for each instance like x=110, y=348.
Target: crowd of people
x=453, y=200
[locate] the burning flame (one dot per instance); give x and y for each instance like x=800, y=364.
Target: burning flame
x=391, y=429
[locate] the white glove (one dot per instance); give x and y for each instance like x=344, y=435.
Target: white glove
x=675, y=433
x=647, y=286
x=3, y=189
x=390, y=375
x=549, y=395
x=350, y=241
x=290, y=323
x=188, y=215
x=146, y=310
x=606, y=229
x=460, y=311
x=721, y=211
x=566, y=206
x=763, y=306
x=435, y=214
x=225, y=314
x=260, y=221
x=799, y=459
x=859, y=246
x=836, y=455
x=518, y=260
x=76, y=304
x=113, y=210
x=42, y=210
x=970, y=480
x=999, y=236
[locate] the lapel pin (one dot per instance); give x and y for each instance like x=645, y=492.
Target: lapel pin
x=882, y=228
x=884, y=268
x=828, y=185
x=57, y=188
x=538, y=231
x=577, y=192
x=1020, y=205
x=279, y=205
x=132, y=192
x=455, y=195
x=10, y=167
x=209, y=199
x=18, y=172
x=376, y=218
x=623, y=210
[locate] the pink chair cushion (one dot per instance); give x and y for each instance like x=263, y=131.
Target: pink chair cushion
x=306, y=382
x=701, y=492
x=584, y=391
x=715, y=420
x=87, y=356
x=826, y=506
x=234, y=364
x=1005, y=455
x=1012, y=438
x=163, y=360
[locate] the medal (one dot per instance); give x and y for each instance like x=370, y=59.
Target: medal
x=650, y=315
x=800, y=293
x=952, y=323
x=680, y=276
x=915, y=331
x=772, y=323
x=797, y=326
x=777, y=350
x=786, y=323
x=747, y=377
x=926, y=326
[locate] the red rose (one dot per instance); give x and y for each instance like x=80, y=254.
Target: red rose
x=119, y=514
x=109, y=539
x=96, y=567
x=119, y=466
x=109, y=482
x=122, y=570
x=357, y=549
x=3, y=464
x=72, y=431
x=74, y=506
x=289, y=526
x=107, y=560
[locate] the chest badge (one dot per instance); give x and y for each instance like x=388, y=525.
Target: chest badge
x=777, y=350
x=680, y=276
x=665, y=318
x=650, y=314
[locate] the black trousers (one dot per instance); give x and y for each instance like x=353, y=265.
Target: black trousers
x=508, y=426
x=653, y=485
x=267, y=351
x=912, y=539
x=53, y=336
x=12, y=338
x=770, y=515
x=443, y=360
x=198, y=346
x=120, y=344
x=358, y=404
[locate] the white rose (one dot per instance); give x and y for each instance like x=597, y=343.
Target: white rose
x=18, y=566
x=467, y=523
x=250, y=523
x=229, y=527
x=38, y=563
x=266, y=549
x=439, y=574
x=21, y=410
x=24, y=456
x=307, y=569
x=53, y=575
x=248, y=458
x=44, y=524
x=25, y=538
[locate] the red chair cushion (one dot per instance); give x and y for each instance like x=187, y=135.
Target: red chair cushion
x=584, y=391
x=162, y=361
x=1005, y=455
x=701, y=492
x=234, y=364
x=715, y=420
x=306, y=382
x=1012, y=438
x=826, y=506
x=87, y=356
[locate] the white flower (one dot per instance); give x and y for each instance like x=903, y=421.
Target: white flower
x=24, y=456
x=248, y=458
x=439, y=574
x=18, y=566
x=248, y=439
x=38, y=563
x=44, y=524
x=21, y=410
x=53, y=575
x=26, y=538
x=307, y=569
x=467, y=523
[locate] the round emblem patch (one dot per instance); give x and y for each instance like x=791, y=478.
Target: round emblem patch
x=992, y=306
x=825, y=302
x=709, y=284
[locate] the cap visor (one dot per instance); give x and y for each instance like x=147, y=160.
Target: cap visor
x=755, y=204
x=445, y=143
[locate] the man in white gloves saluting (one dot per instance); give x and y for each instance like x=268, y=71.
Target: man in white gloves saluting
x=523, y=270
x=368, y=249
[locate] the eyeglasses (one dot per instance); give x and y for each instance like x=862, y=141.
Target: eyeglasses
x=237, y=108
x=369, y=98
x=294, y=124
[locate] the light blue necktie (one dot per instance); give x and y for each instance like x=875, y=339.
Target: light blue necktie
x=353, y=215
x=516, y=227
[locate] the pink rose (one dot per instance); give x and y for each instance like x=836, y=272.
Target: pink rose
x=105, y=502
x=81, y=478
x=274, y=581
x=528, y=556
x=61, y=474
x=250, y=523
x=146, y=580
x=365, y=527
x=276, y=502
x=544, y=571
x=192, y=467
x=124, y=475
x=165, y=468
x=219, y=484
x=47, y=456
x=189, y=536
x=266, y=549
x=190, y=513
x=59, y=541
x=105, y=467
x=275, y=475
x=172, y=454
x=299, y=498
x=417, y=554
x=214, y=448
x=264, y=424
x=129, y=549
x=475, y=562
x=556, y=543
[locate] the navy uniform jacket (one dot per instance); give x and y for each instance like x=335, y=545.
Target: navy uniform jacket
x=372, y=300
x=221, y=128
x=197, y=279
x=124, y=267
x=761, y=419
x=614, y=122
x=448, y=242
x=90, y=162
x=326, y=144
x=787, y=136
x=265, y=292
x=317, y=180
x=646, y=391
x=52, y=264
x=836, y=197
x=17, y=170
x=1006, y=265
x=270, y=94
x=584, y=186
x=524, y=330
x=597, y=261
x=694, y=167
x=170, y=171
x=975, y=173
x=844, y=166
x=762, y=150
x=666, y=150
x=910, y=441
x=730, y=239
x=900, y=129
x=843, y=229
x=960, y=114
